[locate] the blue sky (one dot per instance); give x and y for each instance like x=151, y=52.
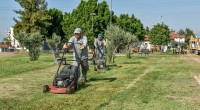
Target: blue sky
x=177, y=14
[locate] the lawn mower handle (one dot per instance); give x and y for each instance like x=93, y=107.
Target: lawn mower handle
x=64, y=54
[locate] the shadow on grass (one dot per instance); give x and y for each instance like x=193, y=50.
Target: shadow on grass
x=83, y=85
x=113, y=65
x=109, y=67
x=141, y=57
x=102, y=79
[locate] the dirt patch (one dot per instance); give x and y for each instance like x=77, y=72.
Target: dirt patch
x=8, y=88
x=191, y=58
x=194, y=60
x=8, y=54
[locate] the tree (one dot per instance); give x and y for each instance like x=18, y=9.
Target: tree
x=132, y=25
x=81, y=17
x=33, y=22
x=129, y=39
x=159, y=34
x=32, y=42
x=181, y=32
x=147, y=30
x=57, y=19
x=102, y=19
x=54, y=42
x=7, y=39
x=33, y=17
x=117, y=37
x=188, y=33
x=67, y=26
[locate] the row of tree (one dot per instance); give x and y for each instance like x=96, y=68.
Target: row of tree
x=91, y=16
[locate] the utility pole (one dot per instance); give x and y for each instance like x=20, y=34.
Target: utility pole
x=92, y=14
x=111, y=13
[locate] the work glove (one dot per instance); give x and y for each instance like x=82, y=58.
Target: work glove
x=65, y=48
x=81, y=47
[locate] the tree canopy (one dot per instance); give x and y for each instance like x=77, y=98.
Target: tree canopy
x=132, y=25
x=32, y=42
x=33, y=18
x=159, y=34
x=188, y=33
x=92, y=17
x=57, y=19
x=117, y=37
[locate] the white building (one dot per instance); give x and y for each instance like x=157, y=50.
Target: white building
x=177, y=37
x=14, y=42
x=146, y=44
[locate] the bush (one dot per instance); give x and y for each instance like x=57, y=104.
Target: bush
x=32, y=42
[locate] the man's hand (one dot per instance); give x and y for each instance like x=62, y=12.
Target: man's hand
x=81, y=47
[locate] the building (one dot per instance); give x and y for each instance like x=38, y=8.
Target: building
x=146, y=44
x=177, y=37
x=4, y=48
x=14, y=42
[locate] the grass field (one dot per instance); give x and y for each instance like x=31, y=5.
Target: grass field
x=156, y=82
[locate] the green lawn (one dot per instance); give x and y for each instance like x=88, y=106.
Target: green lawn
x=156, y=82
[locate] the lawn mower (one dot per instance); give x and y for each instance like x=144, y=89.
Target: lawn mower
x=65, y=81
x=100, y=62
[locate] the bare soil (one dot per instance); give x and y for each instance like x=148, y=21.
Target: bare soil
x=9, y=54
x=193, y=60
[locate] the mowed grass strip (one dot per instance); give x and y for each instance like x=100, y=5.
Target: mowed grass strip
x=169, y=86
x=154, y=82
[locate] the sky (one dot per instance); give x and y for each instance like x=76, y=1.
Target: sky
x=177, y=14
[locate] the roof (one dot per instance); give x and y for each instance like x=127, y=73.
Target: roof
x=3, y=46
x=174, y=35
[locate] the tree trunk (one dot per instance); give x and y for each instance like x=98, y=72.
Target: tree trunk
x=113, y=55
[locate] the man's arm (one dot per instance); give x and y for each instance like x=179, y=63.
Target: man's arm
x=95, y=43
x=85, y=41
x=70, y=42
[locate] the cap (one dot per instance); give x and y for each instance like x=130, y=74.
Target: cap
x=78, y=30
x=100, y=35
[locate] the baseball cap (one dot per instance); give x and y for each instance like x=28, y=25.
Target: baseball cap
x=100, y=35
x=78, y=30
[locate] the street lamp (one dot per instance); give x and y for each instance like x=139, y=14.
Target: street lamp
x=92, y=14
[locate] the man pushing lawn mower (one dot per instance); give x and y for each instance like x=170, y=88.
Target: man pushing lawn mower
x=79, y=44
x=66, y=81
x=100, y=45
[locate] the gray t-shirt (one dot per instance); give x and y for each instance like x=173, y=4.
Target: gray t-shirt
x=99, y=43
x=76, y=44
